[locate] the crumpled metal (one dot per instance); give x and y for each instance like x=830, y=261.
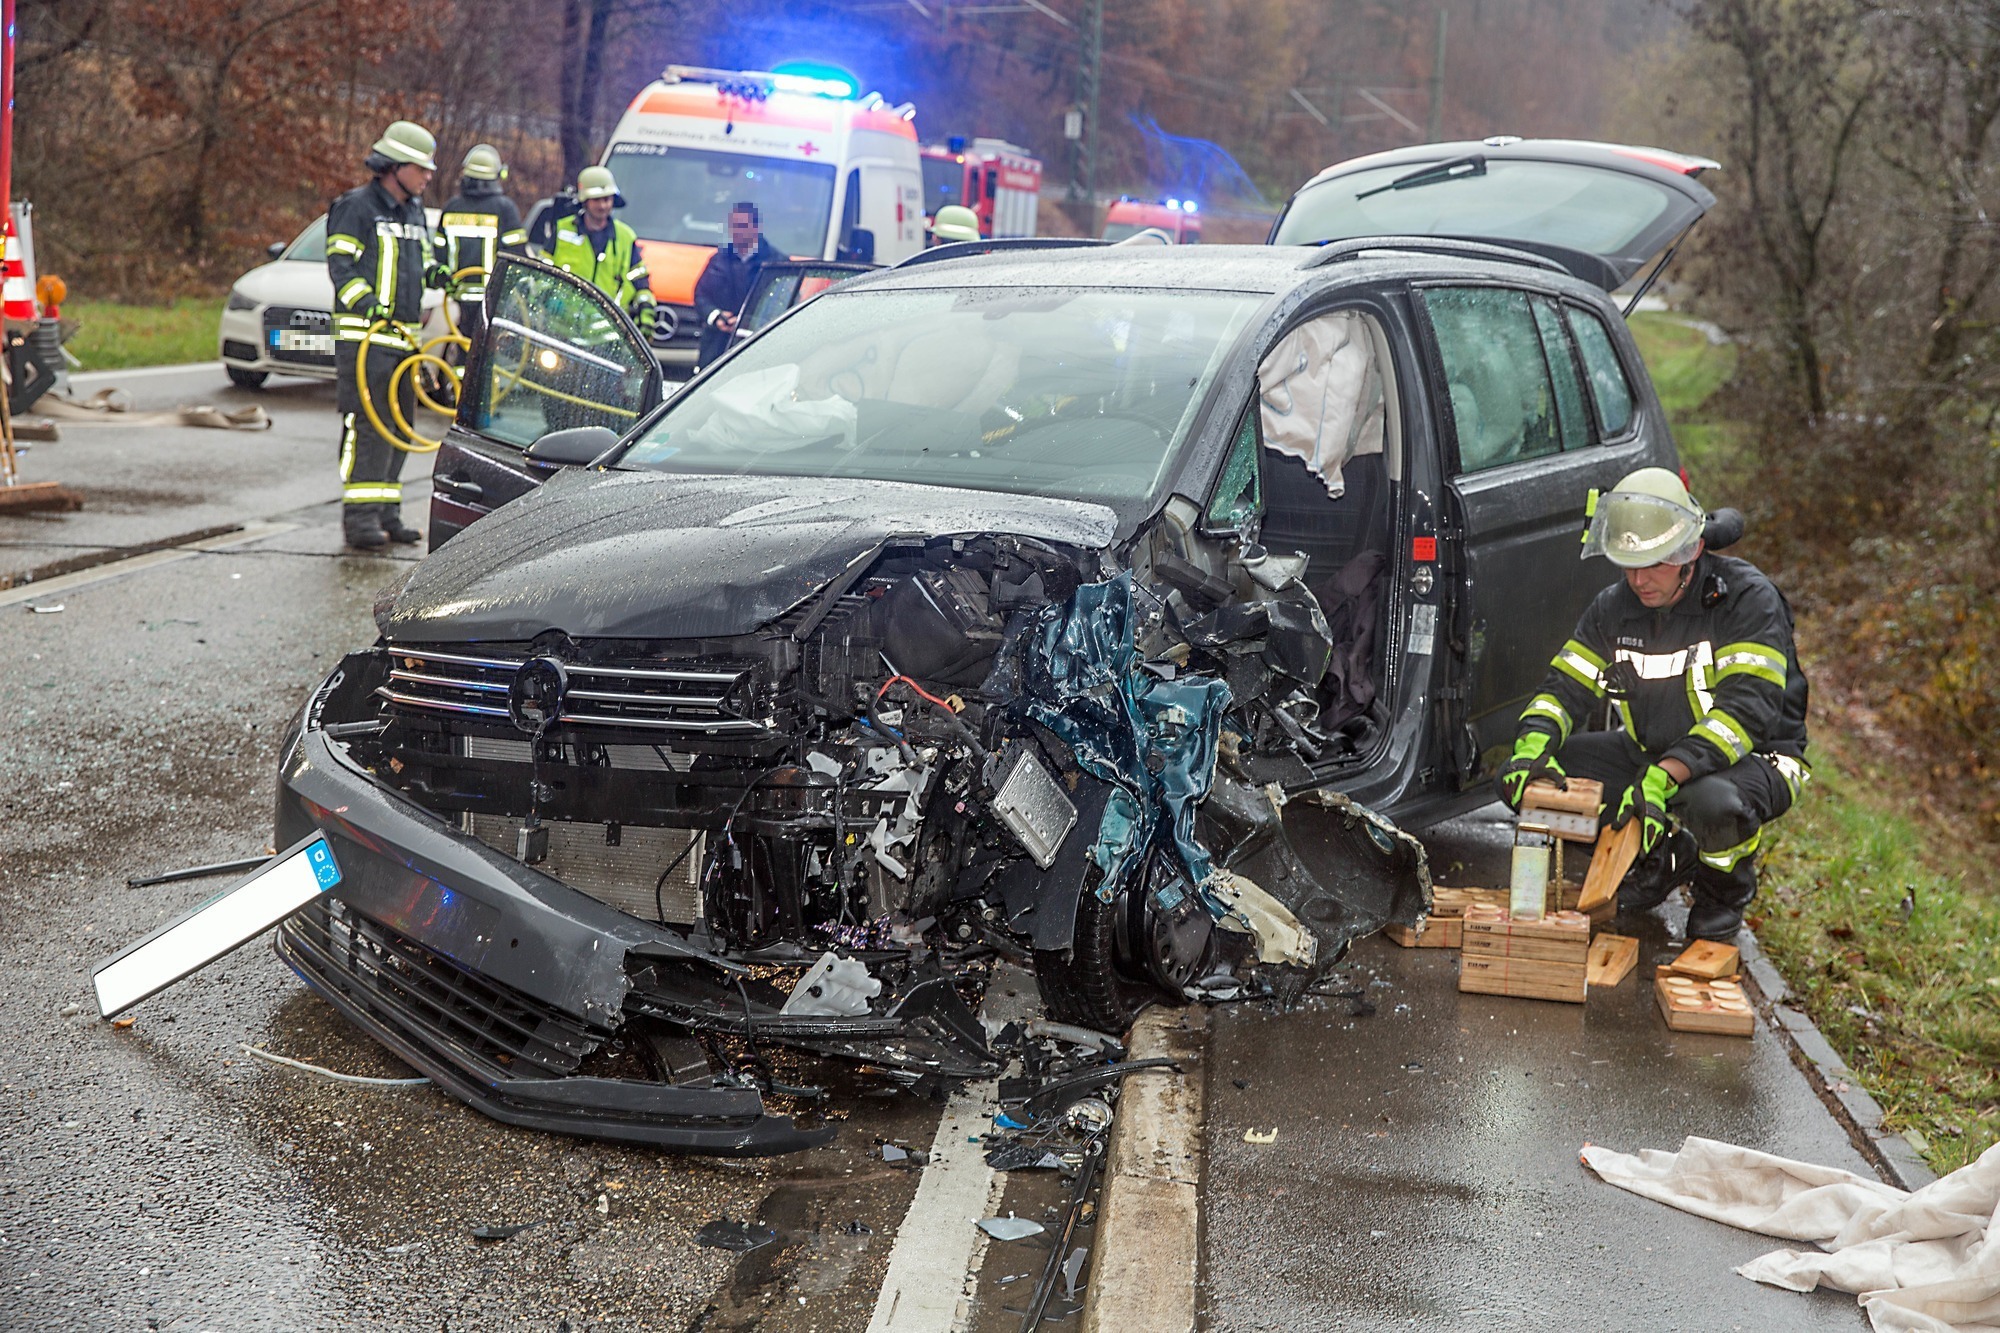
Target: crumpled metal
x=1153, y=740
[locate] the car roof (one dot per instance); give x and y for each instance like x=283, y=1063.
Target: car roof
x=1264, y=269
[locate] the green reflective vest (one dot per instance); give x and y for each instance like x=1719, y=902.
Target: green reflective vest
x=619, y=272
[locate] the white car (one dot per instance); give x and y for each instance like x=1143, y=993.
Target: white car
x=279, y=316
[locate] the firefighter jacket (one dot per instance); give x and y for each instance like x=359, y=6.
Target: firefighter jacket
x=377, y=252
x=1709, y=680
x=473, y=230
x=610, y=263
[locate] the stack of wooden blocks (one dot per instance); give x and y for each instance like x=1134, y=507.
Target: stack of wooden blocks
x=1545, y=959
x=1443, y=929
x=1699, y=992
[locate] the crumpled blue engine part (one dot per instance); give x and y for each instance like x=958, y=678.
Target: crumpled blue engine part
x=1153, y=740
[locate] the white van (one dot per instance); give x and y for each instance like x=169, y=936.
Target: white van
x=833, y=176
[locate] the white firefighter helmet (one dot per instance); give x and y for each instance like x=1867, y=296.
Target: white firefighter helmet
x=1648, y=518
x=955, y=222
x=405, y=141
x=482, y=163
x=598, y=183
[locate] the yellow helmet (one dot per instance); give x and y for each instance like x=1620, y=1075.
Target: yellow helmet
x=482, y=163
x=1648, y=518
x=405, y=141
x=598, y=183
x=956, y=222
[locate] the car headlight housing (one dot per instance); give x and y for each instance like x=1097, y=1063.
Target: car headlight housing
x=238, y=301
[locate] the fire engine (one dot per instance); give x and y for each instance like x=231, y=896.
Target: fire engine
x=1178, y=218
x=999, y=181
x=833, y=175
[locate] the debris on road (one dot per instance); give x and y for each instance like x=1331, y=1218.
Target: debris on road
x=498, y=1231
x=1010, y=1227
x=728, y=1234
x=365, y=1080
x=44, y=610
x=198, y=872
x=1261, y=1136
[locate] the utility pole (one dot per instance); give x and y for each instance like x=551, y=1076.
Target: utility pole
x=1436, y=125
x=1090, y=70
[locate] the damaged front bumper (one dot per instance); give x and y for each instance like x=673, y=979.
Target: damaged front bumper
x=507, y=987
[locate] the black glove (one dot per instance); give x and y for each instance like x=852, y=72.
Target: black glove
x=1531, y=761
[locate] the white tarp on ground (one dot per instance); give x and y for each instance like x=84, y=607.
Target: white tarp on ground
x=1927, y=1262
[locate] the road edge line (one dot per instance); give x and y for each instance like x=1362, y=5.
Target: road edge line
x=1148, y=1252
x=255, y=531
x=1829, y=1076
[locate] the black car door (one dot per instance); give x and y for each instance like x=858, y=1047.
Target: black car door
x=557, y=353
x=1540, y=401
x=780, y=286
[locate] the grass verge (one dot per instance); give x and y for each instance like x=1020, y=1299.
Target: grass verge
x=1881, y=913
x=117, y=337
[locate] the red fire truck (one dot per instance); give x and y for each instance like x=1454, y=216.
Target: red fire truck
x=1178, y=218
x=999, y=181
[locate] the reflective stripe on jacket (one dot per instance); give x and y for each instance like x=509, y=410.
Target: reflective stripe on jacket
x=1708, y=681
x=376, y=253
x=473, y=230
x=618, y=272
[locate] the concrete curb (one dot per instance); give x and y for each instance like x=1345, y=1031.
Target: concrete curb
x=1836, y=1084
x=1148, y=1234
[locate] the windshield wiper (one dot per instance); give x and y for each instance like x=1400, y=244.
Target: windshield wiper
x=1458, y=168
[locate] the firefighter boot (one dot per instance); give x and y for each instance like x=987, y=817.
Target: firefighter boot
x=1658, y=873
x=1719, y=898
x=395, y=529
x=361, y=527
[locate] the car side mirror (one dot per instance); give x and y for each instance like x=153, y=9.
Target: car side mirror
x=860, y=247
x=574, y=447
x=276, y=249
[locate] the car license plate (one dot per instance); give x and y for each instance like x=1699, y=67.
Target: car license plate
x=297, y=340
x=233, y=917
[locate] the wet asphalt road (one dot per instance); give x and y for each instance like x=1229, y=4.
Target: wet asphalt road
x=1425, y=1171
x=157, y=1177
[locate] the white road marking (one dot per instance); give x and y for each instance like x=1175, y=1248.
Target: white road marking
x=938, y=1250
x=62, y=583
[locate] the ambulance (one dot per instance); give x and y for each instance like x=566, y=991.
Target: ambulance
x=1000, y=181
x=834, y=176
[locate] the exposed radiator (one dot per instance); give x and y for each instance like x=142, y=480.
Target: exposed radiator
x=623, y=876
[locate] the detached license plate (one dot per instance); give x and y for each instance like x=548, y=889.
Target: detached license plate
x=298, y=340
x=231, y=918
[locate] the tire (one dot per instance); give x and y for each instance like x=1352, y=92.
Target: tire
x=247, y=379
x=1085, y=983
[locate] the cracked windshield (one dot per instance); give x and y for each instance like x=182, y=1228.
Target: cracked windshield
x=1076, y=394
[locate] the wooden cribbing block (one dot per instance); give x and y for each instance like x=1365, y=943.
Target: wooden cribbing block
x=1533, y=960
x=1569, y=895
x=1453, y=902
x=1568, y=813
x=1688, y=1005
x=1705, y=960
x=1612, y=958
x=1439, y=932
x=1614, y=857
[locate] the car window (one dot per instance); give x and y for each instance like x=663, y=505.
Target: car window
x=1239, y=495
x=1502, y=403
x=310, y=247
x=1081, y=393
x=1570, y=412
x=1609, y=388
x=556, y=357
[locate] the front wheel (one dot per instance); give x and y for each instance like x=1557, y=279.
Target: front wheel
x=1126, y=954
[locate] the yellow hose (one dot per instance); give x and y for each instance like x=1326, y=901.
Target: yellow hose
x=408, y=440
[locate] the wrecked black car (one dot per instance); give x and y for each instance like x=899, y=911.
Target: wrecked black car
x=1100, y=607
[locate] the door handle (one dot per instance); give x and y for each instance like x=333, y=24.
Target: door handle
x=470, y=490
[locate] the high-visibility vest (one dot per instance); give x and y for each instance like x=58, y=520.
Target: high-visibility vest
x=619, y=272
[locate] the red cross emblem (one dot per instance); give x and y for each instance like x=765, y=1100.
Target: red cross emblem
x=808, y=148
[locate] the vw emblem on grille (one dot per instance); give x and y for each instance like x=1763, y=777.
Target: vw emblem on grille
x=535, y=696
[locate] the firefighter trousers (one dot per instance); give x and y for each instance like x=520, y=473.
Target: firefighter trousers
x=371, y=468
x=1725, y=811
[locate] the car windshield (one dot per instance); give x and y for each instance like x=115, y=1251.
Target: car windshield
x=1079, y=394
x=1591, y=209
x=944, y=181
x=684, y=194
x=310, y=247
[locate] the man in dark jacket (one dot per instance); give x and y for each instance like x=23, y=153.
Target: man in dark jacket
x=1694, y=651
x=476, y=227
x=379, y=255
x=718, y=296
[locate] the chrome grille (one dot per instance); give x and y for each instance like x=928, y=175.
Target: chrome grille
x=703, y=701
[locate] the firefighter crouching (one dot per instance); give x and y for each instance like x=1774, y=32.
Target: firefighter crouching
x=581, y=237
x=476, y=227
x=1694, y=652
x=378, y=251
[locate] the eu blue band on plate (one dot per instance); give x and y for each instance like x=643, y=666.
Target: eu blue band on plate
x=232, y=918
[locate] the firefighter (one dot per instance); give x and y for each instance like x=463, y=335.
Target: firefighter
x=719, y=293
x=583, y=238
x=477, y=226
x=954, y=222
x=379, y=254
x=1694, y=652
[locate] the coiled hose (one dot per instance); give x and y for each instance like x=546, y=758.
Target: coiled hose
x=405, y=436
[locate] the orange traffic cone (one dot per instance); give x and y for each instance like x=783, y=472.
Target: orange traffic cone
x=20, y=301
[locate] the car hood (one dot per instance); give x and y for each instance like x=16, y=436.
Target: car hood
x=652, y=555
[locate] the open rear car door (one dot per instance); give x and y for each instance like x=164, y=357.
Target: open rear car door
x=557, y=354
